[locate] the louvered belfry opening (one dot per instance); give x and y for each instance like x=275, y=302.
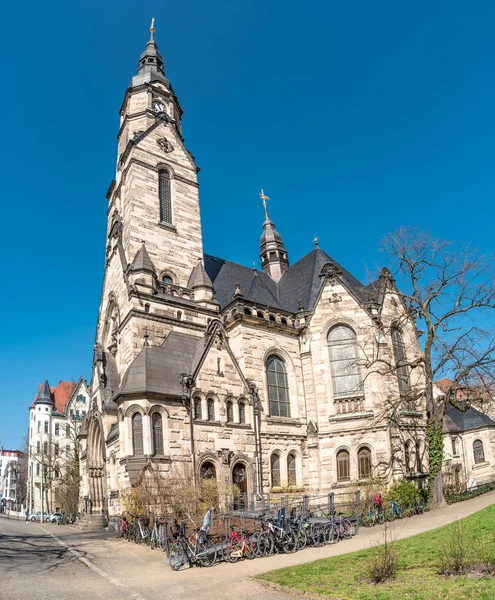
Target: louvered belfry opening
x=164, y=193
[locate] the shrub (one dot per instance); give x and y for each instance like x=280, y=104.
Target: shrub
x=382, y=564
x=457, y=555
x=404, y=492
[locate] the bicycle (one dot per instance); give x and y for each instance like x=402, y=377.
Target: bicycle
x=394, y=511
x=274, y=537
x=241, y=546
x=201, y=550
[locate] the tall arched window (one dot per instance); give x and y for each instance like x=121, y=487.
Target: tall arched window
x=167, y=279
x=157, y=427
x=343, y=466
x=278, y=388
x=230, y=411
x=364, y=463
x=211, y=409
x=275, y=469
x=165, y=195
x=346, y=374
x=291, y=469
x=208, y=471
x=137, y=433
x=479, y=454
x=197, y=408
x=407, y=457
x=242, y=412
x=401, y=367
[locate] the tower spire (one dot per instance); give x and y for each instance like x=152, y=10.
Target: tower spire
x=151, y=66
x=273, y=254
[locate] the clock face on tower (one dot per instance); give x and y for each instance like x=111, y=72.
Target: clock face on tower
x=158, y=107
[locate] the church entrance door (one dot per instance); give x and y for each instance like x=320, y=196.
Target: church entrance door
x=96, y=468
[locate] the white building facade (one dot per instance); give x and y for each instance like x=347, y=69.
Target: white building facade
x=9, y=475
x=55, y=419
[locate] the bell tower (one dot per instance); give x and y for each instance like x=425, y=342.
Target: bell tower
x=155, y=195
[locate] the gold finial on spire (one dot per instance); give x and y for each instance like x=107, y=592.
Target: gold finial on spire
x=264, y=198
x=316, y=242
x=152, y=27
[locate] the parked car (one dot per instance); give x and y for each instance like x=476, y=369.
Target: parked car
x=37, y=517
x=56, y=517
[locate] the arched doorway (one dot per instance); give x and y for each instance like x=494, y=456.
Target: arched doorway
x=96, y=468
x=239, y=478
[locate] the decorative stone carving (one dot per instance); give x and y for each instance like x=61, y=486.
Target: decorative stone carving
x=112, y=346
x=165, y=145
x=330, y=272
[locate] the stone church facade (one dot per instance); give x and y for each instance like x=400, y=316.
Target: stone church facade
x=267, y=378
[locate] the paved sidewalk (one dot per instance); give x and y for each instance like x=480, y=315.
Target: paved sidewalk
x=144, y=572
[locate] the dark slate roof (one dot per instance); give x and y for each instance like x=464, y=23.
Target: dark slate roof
x=300, y=281
x=199, y=277
x=458, y=420
x=114, y=431
x=45, y=395
x=157, y=369
x=142, y=261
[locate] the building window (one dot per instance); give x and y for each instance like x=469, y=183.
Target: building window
x=343, y=466
x=38, y=447
x=479, y=455
x=401, y=367
x=39, y=426
x=83, y=413
x=419, y=464
x=67, y=451
x=242, y=412
x=67, y=430
x=164, y=193
x=81, y=398
x=137, y=434
x=167, y=279
x=278, y=388
x=230, y=411
x=57, y=449
x=344, y=354
x=46, y=427
x=156, y=423
x=208, y=471
x=37, y=469
x=197, y=408
x=146, y=308
x=211, y=409
x=407, y=457
x=275, y=469
x=57, y=473
x=454, y=446
x=364, y=463
x=45, y=448
x=57, y=429
x=291, y=469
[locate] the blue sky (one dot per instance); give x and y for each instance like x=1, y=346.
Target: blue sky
x=355, y=117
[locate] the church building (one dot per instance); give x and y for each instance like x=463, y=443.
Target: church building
x=264, y=378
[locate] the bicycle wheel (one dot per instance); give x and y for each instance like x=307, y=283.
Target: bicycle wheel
x=233, y=554
x=265, y=544
x=177, y=556
x=346, y=529
x=249, y=551
x=390, y=515
x=318, y=536
x=289, y=543
x=420, y=507
x=302, y=539
x=380, y=517
x=206, y=553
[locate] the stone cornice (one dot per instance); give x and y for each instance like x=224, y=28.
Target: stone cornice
x=161, y=319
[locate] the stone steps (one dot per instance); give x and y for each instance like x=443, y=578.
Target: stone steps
x=91, y=523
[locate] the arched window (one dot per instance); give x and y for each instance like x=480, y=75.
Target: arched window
x=343, y=466
x=197, y=408
x=242, y=412
x=230, y=411
x=156, y=425
x=275, y=469
x=346, y=374
x=402, y=369
x=407, y=457
x=167, y=279
x=364, y=463
x=165, y=196
x=419, y=463
x=137, y=433
x=211, y=409
x=291, y=469
x=208, y=471
x=278, y=388
x=479, y=454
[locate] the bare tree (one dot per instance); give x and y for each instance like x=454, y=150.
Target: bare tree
x=450, y=292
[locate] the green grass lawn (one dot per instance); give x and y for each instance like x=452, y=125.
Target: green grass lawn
x=344, y=577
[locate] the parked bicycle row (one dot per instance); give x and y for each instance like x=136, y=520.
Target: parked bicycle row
x=268, y=535
x=377, y=513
